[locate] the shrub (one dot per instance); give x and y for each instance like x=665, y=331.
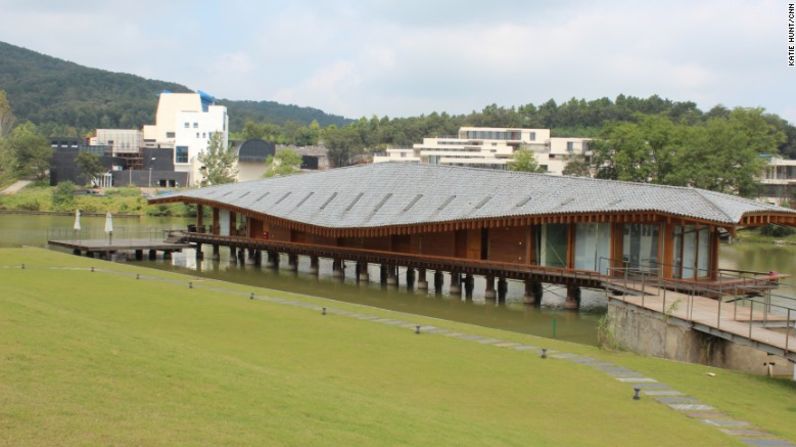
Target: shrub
x=63, y=196
x=777, y=231
x=29, y=205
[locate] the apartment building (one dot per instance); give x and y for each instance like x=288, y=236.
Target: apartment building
x=778, y=181
x=490, y=147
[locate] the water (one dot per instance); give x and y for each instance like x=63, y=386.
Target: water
x=581, y=327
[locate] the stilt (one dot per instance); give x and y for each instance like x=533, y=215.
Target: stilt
x=314, y=265
x=455, y=288
x=89, y=254
x=392, y=276
x=216, y=254
x=139, y=255
x=383, y=275
x=76, y=251
x=573, y=297
x=502, y=290
x=251, y=253
x=199, y=253
x=410, y=278
x=272, y=261
x=153, y=254
x=167, y=254
x=489, y=292
x=242, y=256
x=469, y=285
x=422, y=284
x=438, y=282
x=292, y=262
x=533, y=292
x=233, y=255
x=258, y=257
x=362, y=272
x=337, y=268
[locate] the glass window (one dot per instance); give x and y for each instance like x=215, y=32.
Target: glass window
x=169, y=134
x=195, y=125
x=640, y=246
x=593, y=247
x=570, y=146
x=181, y=154
x=187, y=125
x=533, y=136
x=551, y=245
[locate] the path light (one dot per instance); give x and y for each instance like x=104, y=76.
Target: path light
x=544, y=353
x=137, y=276
x=251, y=296
x=190, y=284
x=323, y=311
x=23, y=266
x=417, y=329
x=92, y=269
x=636, y=391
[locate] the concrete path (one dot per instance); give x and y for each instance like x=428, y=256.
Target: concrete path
x=647, y=387
x=15, y=187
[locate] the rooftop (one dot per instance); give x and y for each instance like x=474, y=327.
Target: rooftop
x=383, y=194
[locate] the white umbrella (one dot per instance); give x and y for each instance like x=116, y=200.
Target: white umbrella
x=76, y=227
x=77, y=220
x=109, y=227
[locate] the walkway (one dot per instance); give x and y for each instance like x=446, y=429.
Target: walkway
x=637, y=382
x=747, y=321
x=15, y=187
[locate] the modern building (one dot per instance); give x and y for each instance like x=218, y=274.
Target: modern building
x=63, y=164
x=488, y=147
x=185, y=122
x=778, y=182
x=252, y=155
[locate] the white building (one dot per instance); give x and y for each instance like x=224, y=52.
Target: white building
x=778, y=182
x=489, y=147
x=186, y=122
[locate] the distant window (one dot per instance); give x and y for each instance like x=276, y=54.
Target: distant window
x=187, y=124
x=110, y=142
x=195, y=125
x=570, y=146
x=204, y=134
x=181, y=153
x=403, y=154
x=197, y=134
x=169, y=134
x=533, y=136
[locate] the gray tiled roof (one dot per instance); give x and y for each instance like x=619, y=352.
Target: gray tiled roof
x=404, y=193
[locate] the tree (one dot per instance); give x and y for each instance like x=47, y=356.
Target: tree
x=577, y=167
x=90, y=165
x=342, y=144
x=30, y=150
x=525, y=161
x=218, y=162
x=6, y=115
x=63, y=196
x=285, y=162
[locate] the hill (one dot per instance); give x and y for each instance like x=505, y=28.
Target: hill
x=52, y=91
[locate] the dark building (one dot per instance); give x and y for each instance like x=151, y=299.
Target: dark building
x=63, y=165
x=251, y=158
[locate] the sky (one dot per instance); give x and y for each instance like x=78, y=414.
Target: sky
x=409, y=57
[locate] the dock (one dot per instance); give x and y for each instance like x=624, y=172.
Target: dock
x=106, y=248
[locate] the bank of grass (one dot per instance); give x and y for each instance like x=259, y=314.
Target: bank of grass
x=98, y=358
x=756, y=235
x=116, y=200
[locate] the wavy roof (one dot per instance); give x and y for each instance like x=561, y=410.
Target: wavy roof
x=383, y=194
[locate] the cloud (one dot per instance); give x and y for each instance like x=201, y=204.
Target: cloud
x=412, y=57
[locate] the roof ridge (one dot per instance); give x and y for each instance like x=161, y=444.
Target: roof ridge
x=701, y=194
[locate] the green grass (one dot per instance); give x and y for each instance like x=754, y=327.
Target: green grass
x=102, y=359
x=754, y=235
x=116, y=200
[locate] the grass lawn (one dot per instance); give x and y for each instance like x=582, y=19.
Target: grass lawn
x=102, y=359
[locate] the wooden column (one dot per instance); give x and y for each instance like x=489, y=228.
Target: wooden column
x=233, y=223
x=215, y=228
x=570, y=246
x=200, y=217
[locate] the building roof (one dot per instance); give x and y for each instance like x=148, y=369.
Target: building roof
x=386, y=194
x=255, y=150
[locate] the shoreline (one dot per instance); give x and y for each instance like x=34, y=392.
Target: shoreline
x=66, y=213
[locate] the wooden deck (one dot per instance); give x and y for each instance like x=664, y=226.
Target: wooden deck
x=105, y=246
x=751, y=322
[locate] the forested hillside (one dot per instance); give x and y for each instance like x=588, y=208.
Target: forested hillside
x=64, y=97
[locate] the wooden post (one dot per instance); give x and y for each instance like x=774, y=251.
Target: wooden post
x=200, y=218
x=314, y=265
x=573, y=297
x=455, y=288
x=469, y=285
x=489, y=293
x=502, y=289
x=438, y=282
x=215, y=229
x=362, y=272
x=422, y=284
